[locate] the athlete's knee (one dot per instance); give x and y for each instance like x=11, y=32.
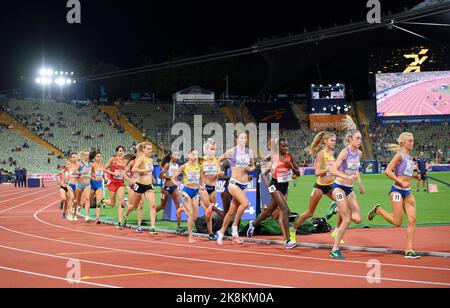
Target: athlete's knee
x=398, y=222
x=412, y=220
x=357, y=219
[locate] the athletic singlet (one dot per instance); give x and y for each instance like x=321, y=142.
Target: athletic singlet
x=98, y=173
x=64, y=178
x=406, y=167
x=85, y=167
x=116, y=166
x=327, y=163
x=147, y=164
x=191, y=174
x=210, y=167
x=72, y=174
x=352, y=163
x=240, y=159
x=173, y=168
x=280, y=172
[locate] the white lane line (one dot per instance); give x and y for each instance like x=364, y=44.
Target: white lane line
x=25, y=203
x=237, y=251
x=57, y=278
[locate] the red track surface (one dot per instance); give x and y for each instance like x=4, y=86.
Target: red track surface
x=36, y=245
x=418, y=100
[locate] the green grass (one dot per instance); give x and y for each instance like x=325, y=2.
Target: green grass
x=446, y=91
x=432, y=208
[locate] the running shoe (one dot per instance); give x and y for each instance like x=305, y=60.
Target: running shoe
x=251, y=229
x=331, y=211
x=180, y=230
x=219, y=238
x=119, y=225
x=87, y=219
x=337, y=254
x=412, y=255
x=124, y=203
x=335, y=234
x=373, y=212
x=75, y=218
x=64, y=215
x=290, y=245
x=293, y=236
x=153, y=231
x=212, y=237
x=124, y=221
x=70, y=217
x=237, y=241
x=98, y=221
x=139, y=230
x=100, y=203
x=61, y=205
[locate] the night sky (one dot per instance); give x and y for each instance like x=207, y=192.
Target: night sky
x=122, y=32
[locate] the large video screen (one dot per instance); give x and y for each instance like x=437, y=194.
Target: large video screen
x=413, y=94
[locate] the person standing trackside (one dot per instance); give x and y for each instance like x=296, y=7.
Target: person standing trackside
x=24, y=177
x=16, y=174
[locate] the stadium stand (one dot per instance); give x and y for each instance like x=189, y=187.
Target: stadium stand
x=69, y=127
x=155, y=120
x=18, y=151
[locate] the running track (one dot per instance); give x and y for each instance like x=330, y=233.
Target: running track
x=36, y=245
x=418, y=100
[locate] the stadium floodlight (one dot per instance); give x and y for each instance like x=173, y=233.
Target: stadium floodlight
x=67, y=73
x=38, y=80
x=61, y=73
x=60, y=81
x=339, y=108
x=71, y=73
x=74, y=82
x=68, y=81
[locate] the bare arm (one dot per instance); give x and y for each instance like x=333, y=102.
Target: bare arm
x=265, y=178
x=389, y=169
x=177, y=174
x=108, y=167
x=136, y=168
x=318, y=165
x=162, y=175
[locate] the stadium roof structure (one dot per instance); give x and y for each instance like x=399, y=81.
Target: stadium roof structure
x=426, y=9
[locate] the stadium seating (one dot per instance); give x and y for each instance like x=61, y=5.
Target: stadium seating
x=33, y=157
x=156, y=120
x=69, y=127
x=429, y=138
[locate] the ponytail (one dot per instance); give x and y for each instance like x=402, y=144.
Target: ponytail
x=318, y=142
x=396, y=147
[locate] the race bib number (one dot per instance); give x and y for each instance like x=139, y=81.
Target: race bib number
x=108, y=182
x=272, y=189
x=136, y=187
x=284, y=178
x=339, y=197
x=220, y=187
x=410, y=169
x=397, y=197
